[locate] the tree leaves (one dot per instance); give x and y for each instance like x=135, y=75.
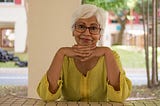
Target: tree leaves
x=109, y=5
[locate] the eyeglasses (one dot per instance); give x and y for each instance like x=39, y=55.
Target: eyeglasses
x=93, y=29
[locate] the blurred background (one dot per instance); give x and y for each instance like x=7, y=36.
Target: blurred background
x=132, y=30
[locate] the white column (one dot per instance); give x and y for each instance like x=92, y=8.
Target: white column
x=49, y=24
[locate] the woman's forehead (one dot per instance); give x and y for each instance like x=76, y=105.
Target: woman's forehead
x=92, y=19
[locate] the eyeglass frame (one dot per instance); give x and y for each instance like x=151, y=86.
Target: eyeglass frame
x=99, y=29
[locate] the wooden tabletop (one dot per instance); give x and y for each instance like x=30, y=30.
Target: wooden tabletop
x=11, y=100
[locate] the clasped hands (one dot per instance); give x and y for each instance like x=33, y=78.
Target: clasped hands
x=84, y=53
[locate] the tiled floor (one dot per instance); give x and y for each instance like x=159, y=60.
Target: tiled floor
x=10, y=100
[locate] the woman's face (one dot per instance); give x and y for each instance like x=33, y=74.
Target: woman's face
x=87, y=31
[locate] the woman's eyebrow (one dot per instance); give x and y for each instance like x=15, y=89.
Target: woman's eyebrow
x=94, y=24
x=79, y=23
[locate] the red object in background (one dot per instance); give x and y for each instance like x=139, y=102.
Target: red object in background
x=17, y=2
x=136, y=18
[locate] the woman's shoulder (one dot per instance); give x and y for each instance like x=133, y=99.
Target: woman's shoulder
x=110, y=51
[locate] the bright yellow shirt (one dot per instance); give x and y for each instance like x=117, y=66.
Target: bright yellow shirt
x=74, y=86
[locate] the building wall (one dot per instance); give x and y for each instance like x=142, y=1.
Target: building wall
x=16, y=15
x=49, y=28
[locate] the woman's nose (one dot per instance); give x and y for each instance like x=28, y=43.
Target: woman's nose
x=87, y=32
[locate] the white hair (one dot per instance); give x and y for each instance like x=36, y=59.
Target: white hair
x=87, y=11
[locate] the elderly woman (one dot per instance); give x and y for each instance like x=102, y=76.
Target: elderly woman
x=85, y=72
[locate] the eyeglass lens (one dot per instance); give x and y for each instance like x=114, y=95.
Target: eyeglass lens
x=93, y=29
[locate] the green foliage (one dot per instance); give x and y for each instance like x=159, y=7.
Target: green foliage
x=139, y=5
x=118, y=6
x=131, y=3
x=109, y=5
x=130, y=56
x=133, y=57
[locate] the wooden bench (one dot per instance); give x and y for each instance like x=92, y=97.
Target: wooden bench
x=11, y=100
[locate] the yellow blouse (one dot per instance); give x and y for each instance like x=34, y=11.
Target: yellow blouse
x=74, y=86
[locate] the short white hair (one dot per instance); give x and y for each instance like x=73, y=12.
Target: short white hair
x=87, y=11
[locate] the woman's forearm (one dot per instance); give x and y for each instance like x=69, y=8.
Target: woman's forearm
x=54, y=71
x=113, y=71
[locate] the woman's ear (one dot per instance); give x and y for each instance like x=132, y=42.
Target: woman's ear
x=100, y=37
x=72, y=33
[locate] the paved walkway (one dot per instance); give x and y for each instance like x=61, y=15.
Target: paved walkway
x=13, y=76
x=19, y=76
x=10, y=100
x=138, y=76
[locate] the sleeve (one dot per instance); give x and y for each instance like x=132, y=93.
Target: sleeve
x=43, y=90
x=125, y=85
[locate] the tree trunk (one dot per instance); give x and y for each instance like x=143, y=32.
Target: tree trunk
x=146, y=42
x=154, y=44
x=123, y=24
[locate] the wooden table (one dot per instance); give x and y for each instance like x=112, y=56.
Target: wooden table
x=11, y=100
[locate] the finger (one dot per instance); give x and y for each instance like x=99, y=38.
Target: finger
x=76, y=49
x=90, y=47
x=81, y=47
x=82, y=51
x=83, y=54
x=86, y=58
x=93, y=47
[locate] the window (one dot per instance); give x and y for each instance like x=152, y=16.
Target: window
x=7, y=37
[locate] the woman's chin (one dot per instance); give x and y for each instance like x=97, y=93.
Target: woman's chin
x=85, y=43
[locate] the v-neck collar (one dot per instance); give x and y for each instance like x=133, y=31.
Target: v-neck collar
x=89, y=71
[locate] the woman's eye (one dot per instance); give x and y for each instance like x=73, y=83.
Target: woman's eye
x=93, y=28
x=82, y=26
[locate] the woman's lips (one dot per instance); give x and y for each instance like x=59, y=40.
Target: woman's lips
x=86, y=39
